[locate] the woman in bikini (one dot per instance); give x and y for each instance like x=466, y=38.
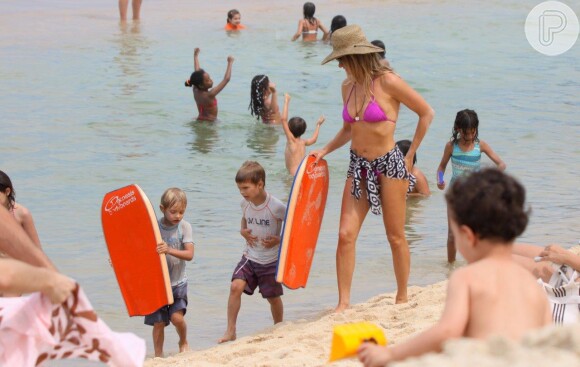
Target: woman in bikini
x=201, y=82
x=378, y=174
x=308, y=26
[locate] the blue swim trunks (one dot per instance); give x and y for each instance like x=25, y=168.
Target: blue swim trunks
x=164, y=313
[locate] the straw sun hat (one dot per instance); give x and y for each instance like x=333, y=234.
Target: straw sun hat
x=350, y=40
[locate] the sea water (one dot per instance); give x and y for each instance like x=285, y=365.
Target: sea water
x=88, y=105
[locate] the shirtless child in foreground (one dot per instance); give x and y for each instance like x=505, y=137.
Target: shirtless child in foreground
x=493, y=294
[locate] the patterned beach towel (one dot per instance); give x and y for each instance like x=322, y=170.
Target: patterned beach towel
x=33, y=331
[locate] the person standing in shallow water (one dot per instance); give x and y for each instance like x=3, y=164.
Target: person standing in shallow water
x=378, y=174
x=124, y=5
x=308, y=26
x=203, y=91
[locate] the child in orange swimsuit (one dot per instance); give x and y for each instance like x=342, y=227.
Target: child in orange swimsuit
x=205, y=98
x=234, y=21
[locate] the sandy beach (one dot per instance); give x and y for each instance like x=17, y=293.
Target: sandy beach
x=307, y=342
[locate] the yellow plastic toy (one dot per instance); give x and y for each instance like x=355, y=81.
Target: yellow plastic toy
x=346, y=338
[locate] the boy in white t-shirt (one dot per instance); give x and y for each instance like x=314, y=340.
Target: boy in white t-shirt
x=262, y=217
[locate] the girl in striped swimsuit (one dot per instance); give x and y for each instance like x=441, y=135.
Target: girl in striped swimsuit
x=464, y=149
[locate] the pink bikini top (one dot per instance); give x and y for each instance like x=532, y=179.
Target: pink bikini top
x=373, y=112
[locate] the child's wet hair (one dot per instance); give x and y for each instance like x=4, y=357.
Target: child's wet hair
x=338, y=22
x=297, y=126
x=232, y=13
x=465, y=120
x=196, y=79
x=404, y=146
x=380, y=44
x=489, y=202
x=251, y=171
x=173, y=196
x=260, y=84
x=6, y=183
x=308, y=10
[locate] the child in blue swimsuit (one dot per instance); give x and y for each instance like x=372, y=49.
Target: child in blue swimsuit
x=464, y=149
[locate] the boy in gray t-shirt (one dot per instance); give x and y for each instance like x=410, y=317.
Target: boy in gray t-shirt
x=262, y=217
x=177, y=245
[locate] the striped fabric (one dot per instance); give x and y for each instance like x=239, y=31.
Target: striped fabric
x=464, y=162
x=564, y=295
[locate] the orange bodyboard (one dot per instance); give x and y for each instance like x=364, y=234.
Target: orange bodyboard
x=301, y=227
x=132, y=234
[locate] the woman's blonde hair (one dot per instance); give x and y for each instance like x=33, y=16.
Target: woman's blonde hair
x=173, y=196
x=363, y=68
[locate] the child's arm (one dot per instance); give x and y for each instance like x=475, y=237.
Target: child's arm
x=444, y=160
x=185, y=254
x=485, y=148
x=215, y=90
x=299, y=31
x=314, y=137
x=451, y=325
x=247, y=233
x=272, y=104
x=285, y=127
x=422, y=186
x=271, y=241
x=196, y=59
x=326, y=33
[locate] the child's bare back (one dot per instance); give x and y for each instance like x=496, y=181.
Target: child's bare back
x=503, y=298
x=493, y=295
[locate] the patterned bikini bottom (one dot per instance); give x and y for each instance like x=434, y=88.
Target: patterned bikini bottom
x=392, y=165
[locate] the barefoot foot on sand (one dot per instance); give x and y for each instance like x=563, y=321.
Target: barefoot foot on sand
x=228, y=337
x=401, y=299
x=183, y=347
x=341, y=307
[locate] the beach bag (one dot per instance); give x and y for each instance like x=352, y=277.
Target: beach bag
x=564, y=295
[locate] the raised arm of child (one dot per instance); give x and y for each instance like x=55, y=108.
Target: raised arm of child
x=444, y=160
x=314, y=136
x=196, y=66
x=451, y=325
x=285, y=127
x=218, y=88
x=485, y=148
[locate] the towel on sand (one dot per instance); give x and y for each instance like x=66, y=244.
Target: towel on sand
x=33, y=331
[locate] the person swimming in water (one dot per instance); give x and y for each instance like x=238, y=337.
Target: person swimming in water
x=234, y=21
x=203, y=93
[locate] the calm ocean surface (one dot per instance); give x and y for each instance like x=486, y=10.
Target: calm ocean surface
x=88, y=106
